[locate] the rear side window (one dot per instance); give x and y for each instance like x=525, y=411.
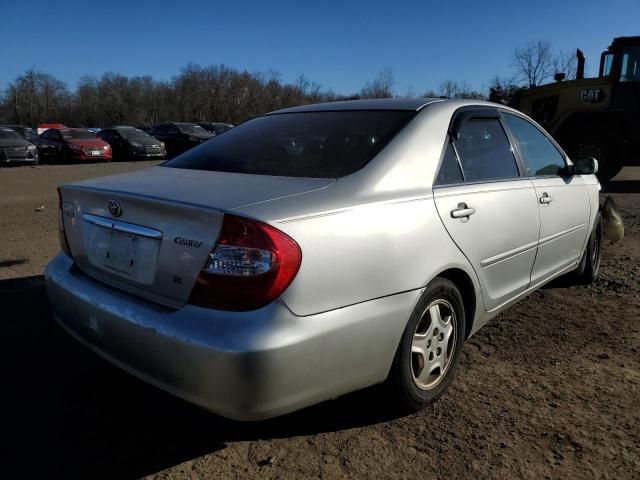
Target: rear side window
x=301, y=144
x=450, y=168
x=540, y=155
x=485, y=151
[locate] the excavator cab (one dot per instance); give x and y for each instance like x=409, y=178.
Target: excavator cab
x=621, y=61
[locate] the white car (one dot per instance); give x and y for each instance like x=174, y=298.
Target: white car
x=254, y=278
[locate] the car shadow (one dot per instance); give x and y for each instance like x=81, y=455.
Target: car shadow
x=78, y=416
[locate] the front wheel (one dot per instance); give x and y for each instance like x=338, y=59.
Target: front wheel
x=428, y=355
x=589, y=266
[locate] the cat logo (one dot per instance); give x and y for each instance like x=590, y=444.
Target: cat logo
x=592, y=95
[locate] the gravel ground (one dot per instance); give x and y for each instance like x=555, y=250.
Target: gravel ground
x=549, y=389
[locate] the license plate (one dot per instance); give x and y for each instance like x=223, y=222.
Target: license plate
x=95, y=153
x=122, y=253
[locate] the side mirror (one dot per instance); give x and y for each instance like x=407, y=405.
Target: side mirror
x=585, y=166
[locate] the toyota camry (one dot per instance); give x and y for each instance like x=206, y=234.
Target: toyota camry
x=317, y=250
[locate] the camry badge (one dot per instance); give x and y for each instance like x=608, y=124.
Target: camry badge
x=115, y=208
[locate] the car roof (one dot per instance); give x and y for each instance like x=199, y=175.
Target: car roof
x=412, y=104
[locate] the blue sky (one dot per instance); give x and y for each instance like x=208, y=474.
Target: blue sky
x=339, y=44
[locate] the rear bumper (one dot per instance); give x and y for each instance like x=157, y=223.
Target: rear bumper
x=242, y=365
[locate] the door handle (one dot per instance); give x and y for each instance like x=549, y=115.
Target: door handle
x=463, y=211
x=545, y=198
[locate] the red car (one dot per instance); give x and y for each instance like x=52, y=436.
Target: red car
x=71, y=144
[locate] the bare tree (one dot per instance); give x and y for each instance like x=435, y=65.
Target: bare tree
x=503, y=89
x=381, y=86
x=449, y=89
x=565, y=62
x=534, y=63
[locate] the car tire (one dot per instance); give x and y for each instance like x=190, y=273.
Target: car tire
x=429, y=351
x=589, y=266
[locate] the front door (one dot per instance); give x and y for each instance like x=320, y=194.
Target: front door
x=563, y=200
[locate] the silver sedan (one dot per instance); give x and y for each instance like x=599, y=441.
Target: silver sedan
x=317, y=250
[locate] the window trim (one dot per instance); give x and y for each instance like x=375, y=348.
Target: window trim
x=516, y=145
x=459, y=117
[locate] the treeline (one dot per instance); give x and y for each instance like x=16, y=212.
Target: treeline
x=198, y=93
x=224, y=94
x=215, y=93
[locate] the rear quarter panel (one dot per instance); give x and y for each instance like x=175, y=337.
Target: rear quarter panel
x=367, y=252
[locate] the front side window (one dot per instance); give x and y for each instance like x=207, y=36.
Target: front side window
x=607, y=64
x=301, y=144
x=484, y=150
x=630, y=71
x=540, y=155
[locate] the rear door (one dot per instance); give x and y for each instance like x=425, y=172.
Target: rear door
x=563, y=200
x=488, y=208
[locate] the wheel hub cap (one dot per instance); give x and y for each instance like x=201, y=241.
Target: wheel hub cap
x=433, y=344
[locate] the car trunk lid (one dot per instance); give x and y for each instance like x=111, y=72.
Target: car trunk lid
x=150, y=232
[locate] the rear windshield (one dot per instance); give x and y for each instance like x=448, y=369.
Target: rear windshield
x=191, y=129
x=78, y=133
x=305, y=144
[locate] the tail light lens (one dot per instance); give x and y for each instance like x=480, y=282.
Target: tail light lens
x=250, y=266
x=62, y=236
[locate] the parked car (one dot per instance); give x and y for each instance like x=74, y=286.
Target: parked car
x=129, y=143
x=15, y=149
x=71, y=144
x=180, y=137
x=26, y=133
x=255, y=280
x=215, y=128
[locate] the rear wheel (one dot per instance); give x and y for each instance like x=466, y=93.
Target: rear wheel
x=589, y=266
x=427, y=357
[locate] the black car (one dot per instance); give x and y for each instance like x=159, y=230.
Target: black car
x=129, y=143
x=27, y=133
x=15, y=149
x=180, y=137
x=215, y=128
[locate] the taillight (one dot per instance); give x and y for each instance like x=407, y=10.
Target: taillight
x=251, y=265
x=62, y=236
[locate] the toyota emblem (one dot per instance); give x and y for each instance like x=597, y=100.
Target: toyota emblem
x=115, y=208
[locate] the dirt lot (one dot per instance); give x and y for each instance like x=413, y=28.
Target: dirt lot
x=549, y=389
